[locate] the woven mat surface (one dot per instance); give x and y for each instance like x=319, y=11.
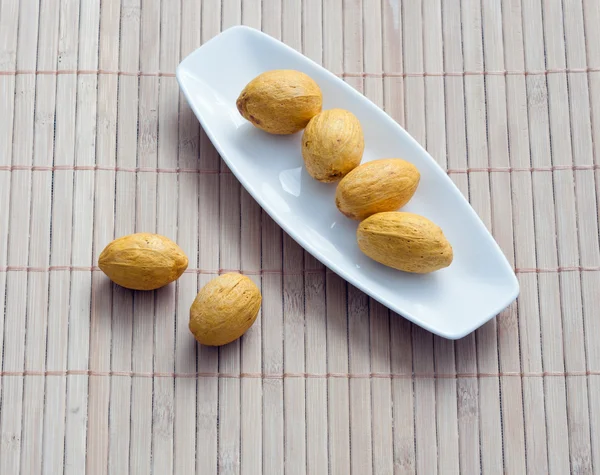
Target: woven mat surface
x=96, y=142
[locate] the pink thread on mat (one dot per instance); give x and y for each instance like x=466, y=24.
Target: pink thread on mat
x=259, y=272
x=349, y=74
x=134, y=374
x=558, y=269
x=451, y=171
x=48, y=269
x=85, y=72
x=36, y=168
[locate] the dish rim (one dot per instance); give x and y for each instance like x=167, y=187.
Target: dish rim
x=283, y=223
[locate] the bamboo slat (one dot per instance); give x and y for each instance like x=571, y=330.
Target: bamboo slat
x=17, y=304
x=8, y=36
x=591, y=14
x=570, y=287
x=524, y=233
x=502, y=226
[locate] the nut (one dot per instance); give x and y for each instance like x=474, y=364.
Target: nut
x=405, y=241
x=143, y=261
x=280, y=101
x=224, y=309
x=332, y=145
x=376, y=186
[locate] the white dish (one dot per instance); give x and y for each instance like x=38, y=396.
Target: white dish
x=451, y=302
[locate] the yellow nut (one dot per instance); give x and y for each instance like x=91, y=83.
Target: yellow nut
x=280, y=101
x=224, y=309
x=143, y=261
x=405, y=241
x=332, y=145
x=376, y=186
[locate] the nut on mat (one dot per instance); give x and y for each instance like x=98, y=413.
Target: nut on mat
x=332, y=145
x=224, y=309
x=143, y=261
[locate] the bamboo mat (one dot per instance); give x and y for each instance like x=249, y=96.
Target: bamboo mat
x=96, y=141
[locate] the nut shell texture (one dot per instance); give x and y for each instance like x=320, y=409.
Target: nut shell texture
x=280, y=102
x=376, y=186
x=405, y=241
x=332, y=145
x=143, y=261
x=224, y=309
